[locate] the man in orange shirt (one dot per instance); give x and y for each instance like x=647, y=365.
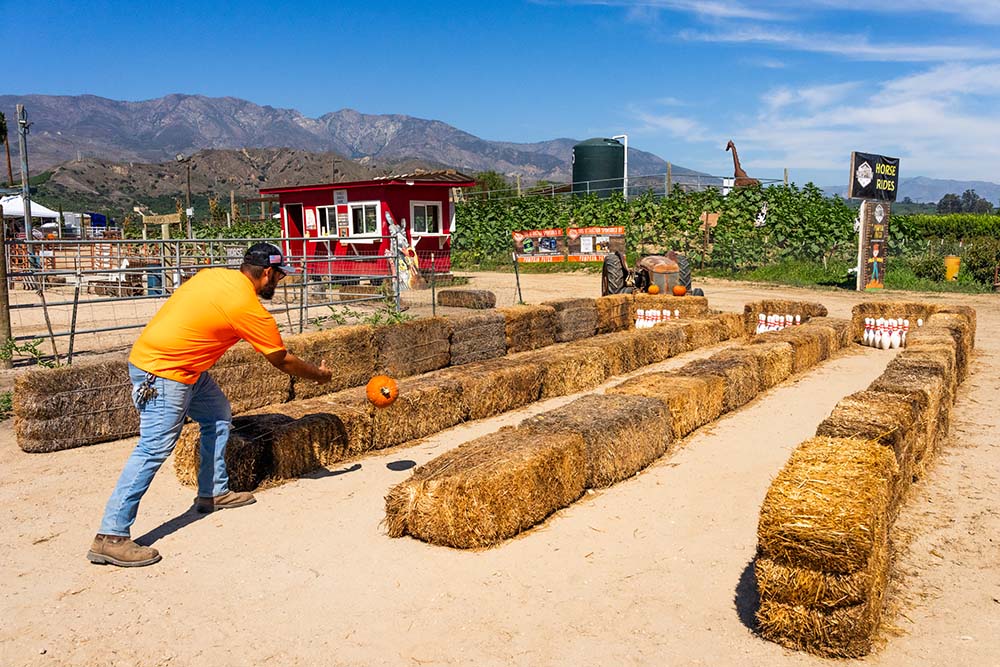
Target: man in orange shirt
x=168, y=363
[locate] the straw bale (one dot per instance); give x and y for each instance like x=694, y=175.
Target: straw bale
x=663, y=341
x=497, y=386
x=622, y=351
x=806, y=345
x=841, y=329
x=413, y=347
x=529, y=327
x=960, y=330
x=692, y=401
x=942, y=356
x=689, y=306
x=701, y=333
x=829, y=343
x=741, y=376
x=567, y=368
x=828, y=508
x=965, y=311
x=347, y=350
x=804, y=309
x=354, y=292
x=614, y=313
x=922, y=386
x=71, y=406
x=249, y=380
x=844, y=632
x=774, y=361
x=426, y=405
x=248, y=453
x=489, y=489
x=731, y=325
x=467, y=298
x=477, y=337
x=324, y=431
x=575, y=318
x=623, y=433
x=910, y=310
x=810, y=587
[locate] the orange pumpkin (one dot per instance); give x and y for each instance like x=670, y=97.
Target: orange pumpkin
x=653, y=289
x=680, y=290
x=382, y=391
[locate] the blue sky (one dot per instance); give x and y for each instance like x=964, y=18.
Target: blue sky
x=795, y=84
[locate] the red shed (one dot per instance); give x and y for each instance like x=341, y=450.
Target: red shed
x=350, y=220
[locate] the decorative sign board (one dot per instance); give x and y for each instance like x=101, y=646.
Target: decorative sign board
x=874, y=177
x=540, y=245
x=591, y=244
x=340, y=197
x=874, y=236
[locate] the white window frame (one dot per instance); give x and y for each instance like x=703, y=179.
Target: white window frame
x=378, y=220
x=440, y=218
x=328, y=229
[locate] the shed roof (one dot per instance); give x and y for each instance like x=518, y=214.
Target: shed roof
x=449, y=178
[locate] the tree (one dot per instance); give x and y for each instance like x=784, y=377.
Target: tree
x=6, y=144
x=492, y=182
x=969, y=199
x=950, y=203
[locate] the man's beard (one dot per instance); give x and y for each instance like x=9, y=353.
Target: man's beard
x=267, y=291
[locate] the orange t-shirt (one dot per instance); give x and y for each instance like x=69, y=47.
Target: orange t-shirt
x=206, y=316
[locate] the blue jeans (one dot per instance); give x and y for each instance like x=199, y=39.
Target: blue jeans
x=160, y=422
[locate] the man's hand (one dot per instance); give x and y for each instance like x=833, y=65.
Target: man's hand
x=287, y=362
x=325, y=373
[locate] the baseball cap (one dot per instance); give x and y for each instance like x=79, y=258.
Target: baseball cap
x=265, y=254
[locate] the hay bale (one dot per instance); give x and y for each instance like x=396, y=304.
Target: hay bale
x=248, y=453
x=841, y=329
x=413, y=347
x=689, y=306
x=910, y=310
x=324, y=431
x=477, y=337
x=740, y=374
x=575, y=318
x=731, y=326
x=663, y=341
x=355, y=292
x=774, y=361
x=630, y=433
x=347, y=350
x=249, y=380
x=806, y=345
x=810, y=587
x=622, y=351
x=529, y=327
x=700, y=333
x=924, y=387
x=844, y=632
x=806, y=310
x=467, y=298
x=72, y=406
x=494, y=387
x=614, y=313
x=489, y=489
x=828, y=508
x=566, y=368
x=965, y=311
x=692, y=401
x=961, y=331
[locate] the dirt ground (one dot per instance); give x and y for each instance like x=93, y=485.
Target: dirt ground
x=653, y=571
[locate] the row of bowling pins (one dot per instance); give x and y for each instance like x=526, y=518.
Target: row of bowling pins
x=645, y=319
x=776, y=322
x=886, y=334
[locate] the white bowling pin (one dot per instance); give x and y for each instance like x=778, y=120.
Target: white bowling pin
x=920, y=322
x=887, y=335
x=798, y=320
x=894, y=339
x=788, y=321
x=906, y=330
x=677, y=313
x=760, y=323
x=640, y=318
x=877, y=340
x=867, y=332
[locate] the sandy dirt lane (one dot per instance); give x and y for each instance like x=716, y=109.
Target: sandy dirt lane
x=650, y=572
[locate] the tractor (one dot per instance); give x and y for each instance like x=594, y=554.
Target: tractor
x=664, y=271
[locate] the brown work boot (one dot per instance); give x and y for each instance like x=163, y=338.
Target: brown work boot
x=227, y=500
x=121, y=551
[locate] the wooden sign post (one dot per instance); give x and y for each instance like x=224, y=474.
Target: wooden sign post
x=875, y=180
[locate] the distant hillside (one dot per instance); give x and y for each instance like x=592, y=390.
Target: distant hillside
x=930, y=190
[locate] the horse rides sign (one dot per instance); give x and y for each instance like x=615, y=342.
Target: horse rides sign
x=875, y=180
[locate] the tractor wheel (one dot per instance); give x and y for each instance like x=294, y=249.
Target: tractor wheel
x=697, y=291
x=684, y=272
x=612, y=275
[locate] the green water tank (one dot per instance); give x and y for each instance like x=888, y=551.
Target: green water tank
x=598, y=167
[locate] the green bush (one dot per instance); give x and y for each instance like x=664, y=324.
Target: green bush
x=980, y=259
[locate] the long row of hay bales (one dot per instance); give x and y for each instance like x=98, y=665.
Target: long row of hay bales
x=824, y=553
x=300, y=436
x=89, y=402
x=492, y=488
x=804, y=310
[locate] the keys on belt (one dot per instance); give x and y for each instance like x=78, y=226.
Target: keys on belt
x=145, y=391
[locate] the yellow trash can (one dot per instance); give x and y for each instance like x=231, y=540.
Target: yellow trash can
x=951, y=264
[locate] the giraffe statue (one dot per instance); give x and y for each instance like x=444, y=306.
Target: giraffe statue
x=740, y=178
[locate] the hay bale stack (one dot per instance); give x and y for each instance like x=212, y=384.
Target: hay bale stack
x=497, y=386
x=413, y=347
x=774, y=361
x=965, y=311
x=347, y=350
x=477, y=337
x=614, y=313
x=910, y=310
x=731, y=325
x=489, y=489
x=249, y=380
x=823, y=547
x=689, y=306
x=806, y=345
x=575, y=318
x=663, y=341
x=806, y=310
x=324, y=431
x=692, y=401
x=478, y=299
x=529, y=327
x=249, y=459
x=841, y=329
x=740, y=375
x=630, y=433
x=923, y=385
x=566, y=368
x=960, y=330
x=622, y=352
x=426, y=405
x=701, y=333
x=72, y=406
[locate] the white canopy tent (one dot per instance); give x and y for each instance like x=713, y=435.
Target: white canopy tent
x=13, y=207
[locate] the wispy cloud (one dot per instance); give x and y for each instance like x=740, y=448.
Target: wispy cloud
x=714, y=9
x=674, y=125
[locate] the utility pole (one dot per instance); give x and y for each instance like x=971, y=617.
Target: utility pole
x=187, y=211
x=5, y=332
x=23, y=127
x=518, y=176
x=670, y=179
x=625, y=180
x=786, y=175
